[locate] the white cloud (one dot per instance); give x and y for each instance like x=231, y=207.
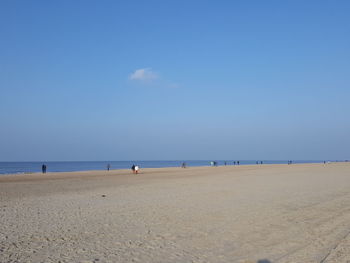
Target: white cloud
x=173, y=86
x=143, y=74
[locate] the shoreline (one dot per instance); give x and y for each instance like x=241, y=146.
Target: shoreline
x=55, y=165
x=120, y=169
x=144, y=171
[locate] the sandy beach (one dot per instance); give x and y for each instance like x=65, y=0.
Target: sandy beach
x=253, y=213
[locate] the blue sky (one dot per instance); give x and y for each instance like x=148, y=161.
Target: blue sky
x=154, y=80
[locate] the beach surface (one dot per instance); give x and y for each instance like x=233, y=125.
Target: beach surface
x=252, y=213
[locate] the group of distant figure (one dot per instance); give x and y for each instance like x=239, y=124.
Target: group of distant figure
x=215, y=163
x=135, y=168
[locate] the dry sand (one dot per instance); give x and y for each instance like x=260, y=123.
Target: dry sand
x=263, y=213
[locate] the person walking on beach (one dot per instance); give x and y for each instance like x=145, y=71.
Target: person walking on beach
x=136, y=169
x=133, y=168
x=43, y=168
x=108, y=167
x=183, y=165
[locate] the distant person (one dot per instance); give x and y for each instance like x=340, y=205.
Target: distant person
x=183, y=165
x=261, y=162
x=43, y=168
x=108, y=167
x=133, y=168
x=257, y=162
x=237, y=162
x=137, y=168
x=234, y=162
x=225, y=163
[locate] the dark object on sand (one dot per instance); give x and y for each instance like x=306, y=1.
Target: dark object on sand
x=43, y=168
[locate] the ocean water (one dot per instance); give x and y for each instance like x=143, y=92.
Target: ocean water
x=33, y=167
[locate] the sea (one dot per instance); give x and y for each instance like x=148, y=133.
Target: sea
x=34, y=167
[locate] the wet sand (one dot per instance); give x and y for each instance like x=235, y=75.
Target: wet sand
x=253, y=213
